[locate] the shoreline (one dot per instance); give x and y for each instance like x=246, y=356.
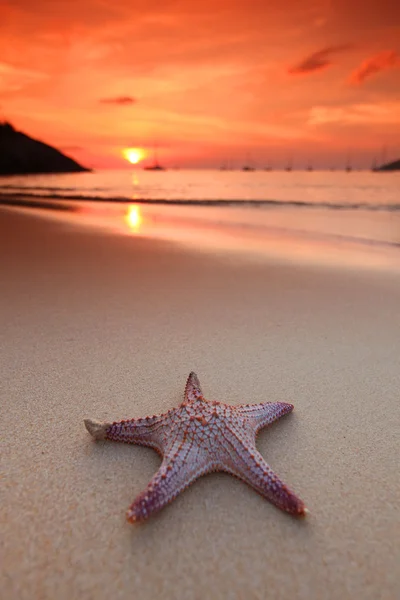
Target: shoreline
x=296, y=236
x=107, y=326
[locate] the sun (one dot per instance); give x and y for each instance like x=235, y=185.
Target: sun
x=133, y=155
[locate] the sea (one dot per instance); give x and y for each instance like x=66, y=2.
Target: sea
x=348, y=217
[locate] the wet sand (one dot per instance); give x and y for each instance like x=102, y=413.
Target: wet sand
x=99, y=325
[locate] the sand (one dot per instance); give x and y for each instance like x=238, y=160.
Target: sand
x=105, y=326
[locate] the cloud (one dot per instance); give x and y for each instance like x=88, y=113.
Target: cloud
x=388, y=59
x=356, y=114
x=121, y=100
x=318, y=60
x=15, y=78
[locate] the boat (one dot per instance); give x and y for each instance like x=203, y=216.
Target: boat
x=268, y=167
x=248, y=164
x=156, y=165
x=348, y=167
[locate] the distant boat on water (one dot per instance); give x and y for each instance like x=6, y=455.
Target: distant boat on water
x=348, y=168
x=227, y=165
x=248, y=166
x=156, y=165
x=289, y=166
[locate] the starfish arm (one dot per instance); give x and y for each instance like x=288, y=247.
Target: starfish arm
x=246, y=463
x=144, y=432
x=265, y=413
x=192, y=390
x=184, y=464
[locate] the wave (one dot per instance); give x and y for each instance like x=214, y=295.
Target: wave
x=322, y=236
x=19, y=194
x=41, y=188
x=56, y=203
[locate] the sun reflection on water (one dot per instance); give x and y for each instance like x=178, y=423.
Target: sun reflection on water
x=133, y=218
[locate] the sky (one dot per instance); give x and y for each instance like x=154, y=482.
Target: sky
x=207, y=83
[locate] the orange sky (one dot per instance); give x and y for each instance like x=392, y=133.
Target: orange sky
x=208, y=82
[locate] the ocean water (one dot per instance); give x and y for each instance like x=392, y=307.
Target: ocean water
x=330, y=189
x=339, y=215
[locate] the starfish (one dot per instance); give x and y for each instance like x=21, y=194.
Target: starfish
x=198, y=437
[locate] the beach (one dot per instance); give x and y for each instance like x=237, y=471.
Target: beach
x=106, y=326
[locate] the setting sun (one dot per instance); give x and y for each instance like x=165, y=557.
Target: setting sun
x=133, y=155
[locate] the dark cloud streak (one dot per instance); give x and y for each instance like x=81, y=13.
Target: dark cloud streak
x=119, y=100
x=388, y=59
x=318, y=60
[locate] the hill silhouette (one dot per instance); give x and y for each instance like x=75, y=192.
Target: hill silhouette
x=23, y=155
x=392, y=166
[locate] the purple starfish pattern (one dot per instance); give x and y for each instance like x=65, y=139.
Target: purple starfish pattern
x=198, y=437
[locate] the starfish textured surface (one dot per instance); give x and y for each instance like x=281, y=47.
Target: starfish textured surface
x=198, y=437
